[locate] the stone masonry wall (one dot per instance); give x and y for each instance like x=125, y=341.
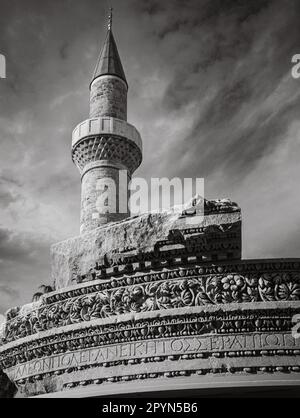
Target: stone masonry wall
x=108, y=98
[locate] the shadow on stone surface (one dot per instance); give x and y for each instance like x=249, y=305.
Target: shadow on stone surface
x=7, y=388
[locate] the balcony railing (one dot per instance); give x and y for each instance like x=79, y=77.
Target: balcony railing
x=106, y=125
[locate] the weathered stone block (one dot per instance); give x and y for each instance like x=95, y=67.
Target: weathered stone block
x=147, y=237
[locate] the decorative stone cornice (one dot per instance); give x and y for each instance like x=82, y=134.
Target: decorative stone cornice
x=106, y=147
x=235, y=339
x=183, y=287
x=233, y=319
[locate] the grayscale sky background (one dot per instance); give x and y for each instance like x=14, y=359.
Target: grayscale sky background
x=210, y=90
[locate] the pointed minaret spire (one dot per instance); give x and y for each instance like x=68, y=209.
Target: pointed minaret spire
x=109, y=62
x=110, y=18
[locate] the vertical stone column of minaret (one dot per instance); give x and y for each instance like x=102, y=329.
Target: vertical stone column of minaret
x=105, y=148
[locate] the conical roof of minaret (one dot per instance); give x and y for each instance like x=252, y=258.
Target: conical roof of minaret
x=109, y=62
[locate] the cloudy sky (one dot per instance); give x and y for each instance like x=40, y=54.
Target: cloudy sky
x=210, y=90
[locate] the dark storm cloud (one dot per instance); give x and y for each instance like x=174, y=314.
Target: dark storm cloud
x=210, y=89
x=243, y=51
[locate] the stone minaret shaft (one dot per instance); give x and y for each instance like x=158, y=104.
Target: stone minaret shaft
x=105, y=148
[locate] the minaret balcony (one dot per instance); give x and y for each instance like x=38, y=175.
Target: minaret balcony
x=106, y=126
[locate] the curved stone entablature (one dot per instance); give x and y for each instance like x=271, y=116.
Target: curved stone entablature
x=235, y=339
x=147, y=299
x=157, y=296
x=184, y=287
x=231, y=319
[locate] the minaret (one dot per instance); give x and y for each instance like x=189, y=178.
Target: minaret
x=105, y=148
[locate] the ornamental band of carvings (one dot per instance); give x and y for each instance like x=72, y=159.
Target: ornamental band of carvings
x=143, y=349
x=257, y=321
x=158, y=295
x=107, y=148
x=129, y=278
x=187, y=372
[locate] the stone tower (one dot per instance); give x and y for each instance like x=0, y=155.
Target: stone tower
x=105, y=148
